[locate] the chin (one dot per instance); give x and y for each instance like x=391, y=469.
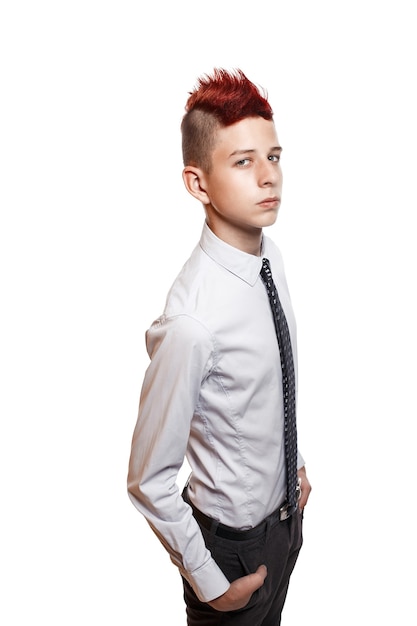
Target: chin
x=269, y=220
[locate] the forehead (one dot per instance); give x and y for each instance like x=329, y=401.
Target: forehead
x=251, y=133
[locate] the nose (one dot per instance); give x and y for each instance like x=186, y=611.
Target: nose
x=269, y=173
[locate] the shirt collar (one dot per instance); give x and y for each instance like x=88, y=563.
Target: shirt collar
x=243, y=265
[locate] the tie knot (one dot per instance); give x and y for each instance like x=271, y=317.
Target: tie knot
x=266, y=269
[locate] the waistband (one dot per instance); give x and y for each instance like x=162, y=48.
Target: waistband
x=281, y=514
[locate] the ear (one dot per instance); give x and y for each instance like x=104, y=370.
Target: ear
x=194, y=182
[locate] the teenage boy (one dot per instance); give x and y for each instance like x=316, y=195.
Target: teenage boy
x=213, y=391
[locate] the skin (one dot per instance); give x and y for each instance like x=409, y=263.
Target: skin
x=241, y=195
x=242, y=192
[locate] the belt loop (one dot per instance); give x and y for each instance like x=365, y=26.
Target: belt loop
x=213, y=529
x=268, y=523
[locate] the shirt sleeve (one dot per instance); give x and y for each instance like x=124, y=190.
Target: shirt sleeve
x=300, y=461
x=181, y=353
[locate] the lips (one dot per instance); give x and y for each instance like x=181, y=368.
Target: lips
x=270, y=202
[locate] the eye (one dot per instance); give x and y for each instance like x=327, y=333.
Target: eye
x=275, y=158
x=242, y=162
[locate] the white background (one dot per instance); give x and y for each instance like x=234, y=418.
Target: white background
x=93, y=209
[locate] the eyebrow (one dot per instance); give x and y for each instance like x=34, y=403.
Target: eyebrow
x=252, y=150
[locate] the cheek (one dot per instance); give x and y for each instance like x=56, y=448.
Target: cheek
x=222, y=192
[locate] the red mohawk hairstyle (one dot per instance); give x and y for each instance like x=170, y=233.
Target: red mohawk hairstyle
x=230, y=96
x=222, y=99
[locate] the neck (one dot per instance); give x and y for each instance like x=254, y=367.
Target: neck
x=248, y=240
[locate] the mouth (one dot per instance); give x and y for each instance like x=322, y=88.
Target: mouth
x=270, y=203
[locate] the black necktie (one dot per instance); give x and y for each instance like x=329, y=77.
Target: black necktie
x=288, y=382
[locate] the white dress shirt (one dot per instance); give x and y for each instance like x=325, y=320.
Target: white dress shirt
x=213, y=394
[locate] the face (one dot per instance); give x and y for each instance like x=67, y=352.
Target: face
x=244, y=186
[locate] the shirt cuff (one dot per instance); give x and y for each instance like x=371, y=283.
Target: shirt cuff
x=208, y=582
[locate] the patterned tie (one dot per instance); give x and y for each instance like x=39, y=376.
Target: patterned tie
x=288, y=382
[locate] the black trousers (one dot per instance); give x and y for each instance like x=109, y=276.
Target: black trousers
x=277, y=548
